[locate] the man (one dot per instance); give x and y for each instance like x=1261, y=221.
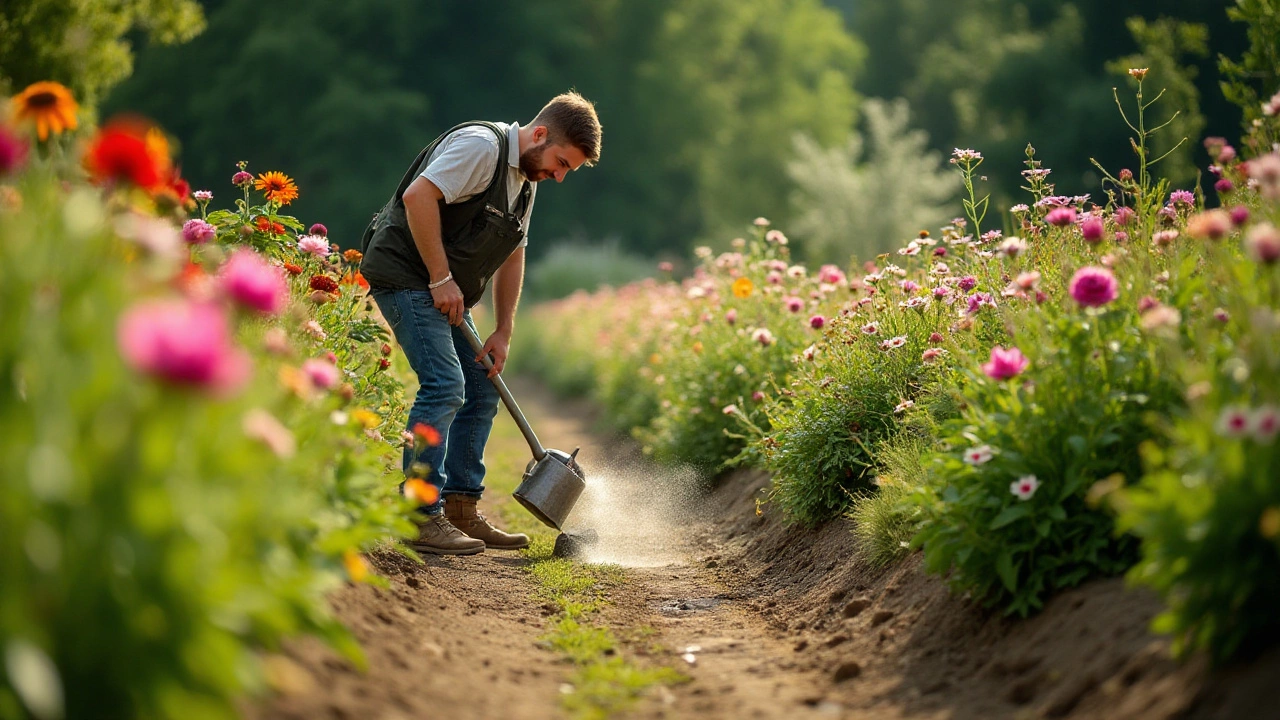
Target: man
x=459, y=218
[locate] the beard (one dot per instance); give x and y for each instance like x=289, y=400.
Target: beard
x=531, y=164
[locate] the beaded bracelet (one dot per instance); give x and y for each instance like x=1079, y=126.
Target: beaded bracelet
x=442, y=281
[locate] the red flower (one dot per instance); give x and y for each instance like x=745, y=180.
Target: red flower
x=293, y=269
x=323, y=283
x=263, y=224
x=277, y=228
x=428, y=434
x=384, y=363
x=131, y=151
x=355, y=279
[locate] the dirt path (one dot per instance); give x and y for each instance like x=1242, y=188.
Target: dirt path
x=765, y=621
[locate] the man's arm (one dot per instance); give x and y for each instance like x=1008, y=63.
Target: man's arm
x=422, y=208
x=506, y=296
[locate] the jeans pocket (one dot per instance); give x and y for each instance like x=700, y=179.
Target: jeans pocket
x=389, y=305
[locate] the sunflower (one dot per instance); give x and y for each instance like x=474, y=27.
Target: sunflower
x=277, y=186
x=49, y=105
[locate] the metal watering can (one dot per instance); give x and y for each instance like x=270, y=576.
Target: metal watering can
x=553, y=480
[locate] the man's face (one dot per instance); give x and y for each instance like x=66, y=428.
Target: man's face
x=545, y=161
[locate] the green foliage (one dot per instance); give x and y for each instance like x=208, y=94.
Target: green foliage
x=158, y=542
x=884, y=520
x=82, y=43
x=868, y=196
x=572, y=266
x=1248, y=81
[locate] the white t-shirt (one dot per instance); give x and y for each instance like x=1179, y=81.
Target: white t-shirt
x=464, y=162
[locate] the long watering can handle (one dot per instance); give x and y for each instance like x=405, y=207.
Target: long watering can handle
x=538, y=451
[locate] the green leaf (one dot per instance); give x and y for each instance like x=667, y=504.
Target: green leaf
x=1008, y=575
x=1077, y=443
x=1010, y=514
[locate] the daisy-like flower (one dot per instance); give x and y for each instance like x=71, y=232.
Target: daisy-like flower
x=916, y=302
x=277, y=187
x=931, y=355
x=796, y=271
x=871, y=279
x=760, y=222
x=763, y=336
x=742, y=287
x=47, y=105
x=1235, y=421
x=1024, y=487
x=912, y=248
x=775, y=236
x=1019, y=208
x=871, y=328
x=903, y=406
x=809, y=352
x=895, y=342
x=203, y=195
x=1138, y=73
x=1266, y=423
x=978, y=455
x=1013, y=246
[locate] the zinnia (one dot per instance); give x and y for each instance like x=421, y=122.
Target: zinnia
x=198, y=232
x=182, y=342
x=254, y=283
x=1005, y=364
x=742, y=287
x=315, y=245
x=1093, y=286
x=128, y=151
x=1092, y=229
x=1061, y=216
x=277, y=187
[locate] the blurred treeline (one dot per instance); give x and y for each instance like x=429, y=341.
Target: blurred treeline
x=715, y=111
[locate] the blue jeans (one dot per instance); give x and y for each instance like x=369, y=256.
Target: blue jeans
x=455, y=395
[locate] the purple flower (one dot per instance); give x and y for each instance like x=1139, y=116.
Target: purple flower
x=979, y=300
x=1061, y=216
x=1092, y=229
x=1182, y=197
x=968, y=282
x=242, y=179
x=908, y=286
x=1239, y=215
x=319, y=229
x=1224, y=186
x=1093, y=286
x=1005, y=364
x=817, y=321
x=198, y=232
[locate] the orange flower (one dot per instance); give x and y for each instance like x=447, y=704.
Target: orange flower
x=277, y=186
x=356, y=567
x=352, y=256
x=742, y=287
x=126, y=150
x=355, y=278
x=421, y=490
x=429, y=435
x=49, y=105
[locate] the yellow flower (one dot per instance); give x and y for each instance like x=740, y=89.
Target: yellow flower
x=278, y=187
x=49, y=105
x=365, y=418
x=742, y=287
x=421, y=490
x=697, y=346
x=654, y=359
x=356, y=567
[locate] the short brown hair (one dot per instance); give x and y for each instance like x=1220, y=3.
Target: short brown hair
x=571, y=118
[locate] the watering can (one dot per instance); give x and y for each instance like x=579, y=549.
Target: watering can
x=553, y=480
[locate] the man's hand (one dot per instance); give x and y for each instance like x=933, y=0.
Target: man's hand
x=448, y=300
x=497, y=347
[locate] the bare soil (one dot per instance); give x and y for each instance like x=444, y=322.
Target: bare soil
x=767, y=621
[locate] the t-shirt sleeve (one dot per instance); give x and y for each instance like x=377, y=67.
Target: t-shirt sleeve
x=463, y=166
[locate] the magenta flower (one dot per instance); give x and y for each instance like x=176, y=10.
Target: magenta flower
x=182, y=342
x=831, y=274
x=817, y=321
x=1092, y=229
x=13, y=152
x=254, y=283
x=1123, y=216
x=198, y=232
x=1224, y=185
x=1182, y=197
x=968, y=282
x=242, y=179
x=1061, y=216
x=322, y=373
x=1093, y=286
x=931, y=354
x=1239, y=215
x=318, y=229
x=908, y=286
x=1005, y=364
x=202, y=195
x=314, y=245
x=977, y=301
x=794, y=304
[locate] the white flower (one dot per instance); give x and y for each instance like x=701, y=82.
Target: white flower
x=810, y=352
x=897, y=342
x=978, y=455
x=1265, y=422
x=1235, y=421
x=871, y=328
x=1024, y=487
x=871, y=279
x=903, y=406
x=202, y=195
x=796, y=271
x=702, y=251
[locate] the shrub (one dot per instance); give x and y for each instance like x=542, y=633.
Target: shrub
x=576, y=265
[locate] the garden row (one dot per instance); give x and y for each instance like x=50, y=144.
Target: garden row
x=196, y=419
x=1089, y=386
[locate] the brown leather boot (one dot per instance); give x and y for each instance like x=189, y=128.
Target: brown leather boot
x=461, y=511
x=436, y=535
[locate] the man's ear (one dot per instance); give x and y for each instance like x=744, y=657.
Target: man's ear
x=539, y=134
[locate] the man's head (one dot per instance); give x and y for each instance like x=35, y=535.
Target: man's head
x=563, y=137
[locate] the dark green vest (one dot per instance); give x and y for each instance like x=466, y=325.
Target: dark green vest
x=479, y=233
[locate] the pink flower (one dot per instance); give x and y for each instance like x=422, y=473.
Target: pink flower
x=203, y=195
x=1146, y=303
x=13, y=152
x=977, y=301
x=760, y=222
x=935, y=337
x=968, y=282
x=1224, y=185
x=1005, y=364
x=182, y=342
x=763, y=336
x=314, y=245
x=871, y=328
x=1164, y=237
x=1221, y=315
x=1024, y=487
x=1262, y=241
x=264, y=427
x=322, y=373
x=817, y=321
x=1239, y=215
x=1027, y=280
x=908, y=286
x=1266, y=423
x=253, y=282
x=198, y=232
x=978, y=455
x=1123, y=216
x=831, y=274
x=1210, y=224
x=729, y=409
x=1013, y=247
x=313, y=328
x=1092, y=229
x=666, y=266
x=1061, y=216
x=793, y=304
x=731, y=316
x=757, y=396
x=931, y=354
x=775, y=236
x=1182, y=197
x=242, y=179
x=1093, y=286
